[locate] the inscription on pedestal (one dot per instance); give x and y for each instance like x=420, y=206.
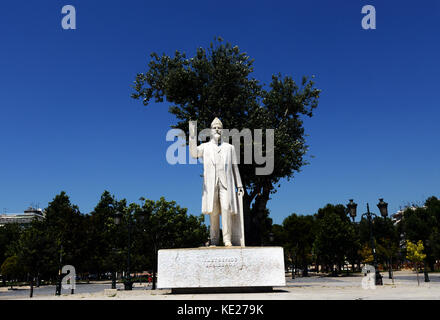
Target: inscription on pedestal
x=220, y=262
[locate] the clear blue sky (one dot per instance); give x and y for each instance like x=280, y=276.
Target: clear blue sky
x=68, y=122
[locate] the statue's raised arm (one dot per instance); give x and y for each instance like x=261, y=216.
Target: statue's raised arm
x=194, y=151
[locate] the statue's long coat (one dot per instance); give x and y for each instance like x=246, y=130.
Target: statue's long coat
x=207, y=151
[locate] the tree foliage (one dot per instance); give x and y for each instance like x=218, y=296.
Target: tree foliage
x=9, y=235
x=421, y=223
x=366, y=254
x=37, y=251
x=414, y=251
x=299, y=235
x=103, y=236
x=335, y=235
x=12, y=269
x=93, y=243
x=167, y=225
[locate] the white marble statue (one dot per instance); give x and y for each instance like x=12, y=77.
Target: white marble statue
x=222, y=187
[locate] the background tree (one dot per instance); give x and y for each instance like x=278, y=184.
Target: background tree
x=265, y=228
x=419, y=224
x=335, y=236
x=9, y=235
x=432, y=205
x=353, y=253
x=415, y=254
x=36, y=252
x=300, y=233
x=104, y=239
x=12, y=269
x=280, y=239
x=366, y=254
x=164, y=224
x=66, y=229
x=387, y=241
x=217, y=82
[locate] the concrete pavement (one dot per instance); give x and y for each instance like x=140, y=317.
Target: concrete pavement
x=308, y=288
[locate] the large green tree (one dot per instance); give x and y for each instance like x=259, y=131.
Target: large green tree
x=37, y=252
x=386, y=238
x=9, y=235
x=421, y=223
x=11, y=269
x=164, y=224
x=104, y=239
x=300, y=232
x=432, y=205
x=65, y=226
x=335, y=236
x=217, y=81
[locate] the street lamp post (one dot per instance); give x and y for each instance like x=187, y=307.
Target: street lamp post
x=351, y=210
x=32, y=287
x=155, y=240
x=351, y=206
x=113, y=267
x=58, y=285
x=128, y=284
x=425, y=271
x=142, y=216
x=383, y=208
x=113, y=280
x=369, y=215
x=155, y=247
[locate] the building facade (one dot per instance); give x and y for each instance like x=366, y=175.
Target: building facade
x=24, y=218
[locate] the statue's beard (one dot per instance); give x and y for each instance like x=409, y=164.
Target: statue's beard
x=217, y=137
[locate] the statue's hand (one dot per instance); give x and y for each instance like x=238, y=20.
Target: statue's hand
x=192, y=128
x=240, y=192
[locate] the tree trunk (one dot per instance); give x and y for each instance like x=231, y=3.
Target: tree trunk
x=32, y=287
x=417, y=273
x=305, y=272
x=390, y=268
x=254, y=217
x=249, y=227
x=113, y=280
x=154, y=269
x=425, y=272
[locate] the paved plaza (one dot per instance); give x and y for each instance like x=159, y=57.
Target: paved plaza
x=308, y=288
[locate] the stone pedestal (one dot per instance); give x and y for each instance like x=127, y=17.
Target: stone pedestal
x=221, y=267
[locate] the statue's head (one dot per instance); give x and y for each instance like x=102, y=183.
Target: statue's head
x=216, y=129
